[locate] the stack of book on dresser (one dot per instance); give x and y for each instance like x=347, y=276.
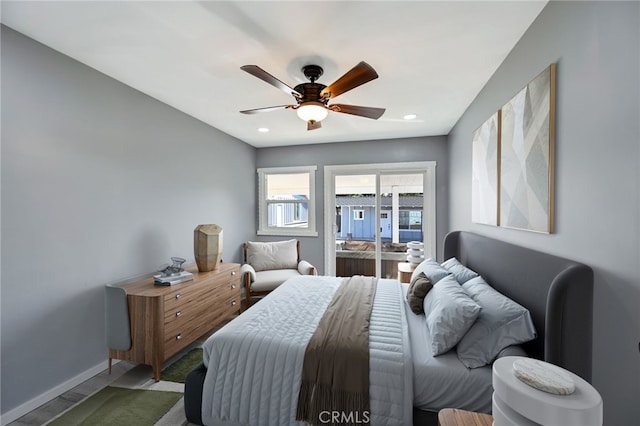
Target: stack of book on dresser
x=172, y=279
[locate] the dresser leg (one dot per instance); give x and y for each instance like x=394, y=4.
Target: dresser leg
x=156, y=372
x=110, y=364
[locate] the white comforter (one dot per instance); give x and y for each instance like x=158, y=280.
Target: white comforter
x=255, y=362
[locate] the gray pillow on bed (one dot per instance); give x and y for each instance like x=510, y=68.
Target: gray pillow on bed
x=514, y=350
x=461, y=272
x=432, y=269
x=501, y=323
x=450, y=312
x=418, y=289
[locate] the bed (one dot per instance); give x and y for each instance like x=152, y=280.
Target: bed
x=557, y=292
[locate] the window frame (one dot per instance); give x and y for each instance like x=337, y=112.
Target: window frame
x=263, y=202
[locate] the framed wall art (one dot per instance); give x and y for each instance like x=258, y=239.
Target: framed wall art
x=527, y=156
x=485, y=173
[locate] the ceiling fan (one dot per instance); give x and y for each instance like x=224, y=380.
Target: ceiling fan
x=312, y=99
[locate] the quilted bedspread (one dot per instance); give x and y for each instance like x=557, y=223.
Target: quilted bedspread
x=254, y=364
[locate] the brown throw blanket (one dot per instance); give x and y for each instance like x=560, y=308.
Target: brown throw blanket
x=335, y=372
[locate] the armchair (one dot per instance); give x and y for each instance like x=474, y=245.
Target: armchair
x=267, y=265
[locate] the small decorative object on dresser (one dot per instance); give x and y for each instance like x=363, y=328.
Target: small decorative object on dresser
x=173, y=274
x=207, y=246
x=148, y=324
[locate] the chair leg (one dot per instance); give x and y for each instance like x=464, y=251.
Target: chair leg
x=247, y=290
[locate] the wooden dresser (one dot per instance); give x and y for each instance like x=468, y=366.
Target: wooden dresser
x=165, y=319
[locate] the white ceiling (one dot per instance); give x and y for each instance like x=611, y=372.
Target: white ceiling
x=433, y=57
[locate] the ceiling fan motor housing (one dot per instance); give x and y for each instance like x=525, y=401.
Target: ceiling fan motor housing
x=310, y=92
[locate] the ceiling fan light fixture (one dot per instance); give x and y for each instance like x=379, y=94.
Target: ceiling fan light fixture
x=312, y=111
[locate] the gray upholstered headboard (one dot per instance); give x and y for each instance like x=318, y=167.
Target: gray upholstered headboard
x=558, y=293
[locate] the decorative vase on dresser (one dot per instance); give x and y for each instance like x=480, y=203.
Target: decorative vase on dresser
x=163, y=320
x=207, y=246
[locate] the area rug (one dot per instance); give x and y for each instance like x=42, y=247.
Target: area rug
x=135, y=399
x=177, y=372
x=120, y=406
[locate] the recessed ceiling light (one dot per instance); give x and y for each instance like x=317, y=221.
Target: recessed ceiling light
x=263, y=129
x=409, y=116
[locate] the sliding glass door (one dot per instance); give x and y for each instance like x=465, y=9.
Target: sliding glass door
x=372, y=211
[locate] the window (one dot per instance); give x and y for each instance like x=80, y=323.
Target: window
x=410, y=219
x=286, y=201
x=358, y=215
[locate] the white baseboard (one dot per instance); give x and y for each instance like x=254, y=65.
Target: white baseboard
x=21, y=410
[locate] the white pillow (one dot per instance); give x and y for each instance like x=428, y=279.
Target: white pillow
x=273, y=255
x=501, y=323
x=461, y=272
x=449, y=312
x=431, y=269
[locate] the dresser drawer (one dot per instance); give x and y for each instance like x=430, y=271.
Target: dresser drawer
x=204, y=298
x=203, y=311
x=228, y=281
x=186, y=295
x=182, y=330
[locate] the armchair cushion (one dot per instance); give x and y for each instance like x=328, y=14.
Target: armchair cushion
x=272, y=255
x=269, y=280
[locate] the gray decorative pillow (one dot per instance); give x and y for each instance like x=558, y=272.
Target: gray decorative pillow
x=274, y=255
x=450, y=312
x=501, y=323
x=418, y=289
x=514, y=350
x=431, y=269
x=461, y=272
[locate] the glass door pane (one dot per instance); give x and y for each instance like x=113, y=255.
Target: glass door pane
x=356, y=225
x=401, y=210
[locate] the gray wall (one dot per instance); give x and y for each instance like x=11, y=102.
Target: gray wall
x=363, y=152
x=99, y=183
x=596, y=47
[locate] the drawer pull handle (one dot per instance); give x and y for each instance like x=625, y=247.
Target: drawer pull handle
x=233, y=303
x=179, y=313
x=179, y=336
x=178, y=296
x=233, y=273
x=233, y=286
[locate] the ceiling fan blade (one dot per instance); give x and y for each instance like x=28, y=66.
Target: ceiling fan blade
x=266, y=109
x=256, y=71
x=312, y=124
x=368, y=112
x=356, y=76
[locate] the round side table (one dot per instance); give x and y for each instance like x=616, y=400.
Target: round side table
x=405, y=269
x=515, y=402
